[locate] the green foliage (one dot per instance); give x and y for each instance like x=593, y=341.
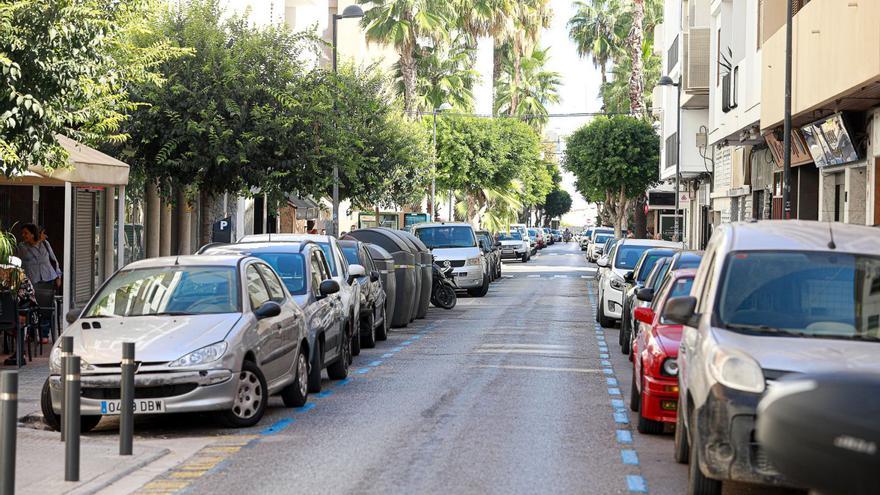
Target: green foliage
x=64, y=69
x=615, y=93
x=557, y=203
x=445, y=74
x=528, y=89
x=598, y=28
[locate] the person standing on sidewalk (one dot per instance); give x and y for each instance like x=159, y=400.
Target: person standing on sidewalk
x=41, y=267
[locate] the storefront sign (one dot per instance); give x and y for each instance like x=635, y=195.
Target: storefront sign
x=222, y=230
x=829, y=142
x=800, y=154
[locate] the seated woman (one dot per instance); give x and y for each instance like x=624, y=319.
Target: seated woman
x=12, y=277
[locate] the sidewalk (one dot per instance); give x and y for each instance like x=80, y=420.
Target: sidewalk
x=30, y=383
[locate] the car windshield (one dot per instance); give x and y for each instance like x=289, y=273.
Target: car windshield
x=351, y=254
x=513, y=236
x=533, y=232
x=804, y=294
x=603, y=238
x=647, y=264
x=290, y=266
x=687, y=262
x=328, y=253
x=168, y=290
x=446, y=237
x=628, y=255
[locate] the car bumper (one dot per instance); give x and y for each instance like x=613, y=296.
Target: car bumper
x=660, y=398
x=726, y=430
x=183, y=391
x=613, y=303
x=468, y=277
x=513, y=254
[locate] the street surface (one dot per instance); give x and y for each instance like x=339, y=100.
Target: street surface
x=515, y=392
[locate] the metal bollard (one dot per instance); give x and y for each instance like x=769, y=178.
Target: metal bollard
x=66, y=351
x=126, y=420
x=8, y=419
x=71, y=414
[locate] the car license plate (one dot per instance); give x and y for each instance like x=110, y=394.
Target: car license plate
x=141, y=406
x=461, y=274
x=507, y=251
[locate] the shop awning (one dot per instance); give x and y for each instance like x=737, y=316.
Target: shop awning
x=88, y=166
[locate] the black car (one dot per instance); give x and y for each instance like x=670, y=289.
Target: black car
x=374, y=323
x=492, y=250
x=635, y=280
x=304, y=270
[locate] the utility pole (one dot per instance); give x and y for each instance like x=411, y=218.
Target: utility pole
x=786, y=126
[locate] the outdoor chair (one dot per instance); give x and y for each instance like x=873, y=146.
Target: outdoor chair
x=47, y=307
x=9, y=321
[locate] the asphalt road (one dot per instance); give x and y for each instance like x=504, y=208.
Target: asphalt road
x=509, y=393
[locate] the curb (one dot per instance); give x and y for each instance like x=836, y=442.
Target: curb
x=102, y=481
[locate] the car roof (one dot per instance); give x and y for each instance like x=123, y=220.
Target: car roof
x=226, y=259
x=802, y=235
x=441, y=224
x=257, y=247
x=348, y=243
x=683, y=272
x=651, y=242
x=285, y=238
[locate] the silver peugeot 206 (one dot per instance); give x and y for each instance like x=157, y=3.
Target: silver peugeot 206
x=211, y=333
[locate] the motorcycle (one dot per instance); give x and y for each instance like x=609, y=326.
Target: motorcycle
x=566, y=236
x=443, y=287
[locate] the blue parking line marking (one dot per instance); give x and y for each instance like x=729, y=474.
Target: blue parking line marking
x=613, y=391
x=608, y=371
x=406, y=342
x=621, y=417
x=363, y=371
x=611, y=381
x=306, y=408
x=624, y=436
x=636, y=483
x=416, y=337
x=605, y=362
x=629, y=456
x=277, y=426
x=323, y=394
x=375, y=363
x=342, y=382
x=617, y=403
x=387, y=354
x=397, y=349
x=604, y=356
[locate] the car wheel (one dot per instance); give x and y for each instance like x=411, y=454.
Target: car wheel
x=681, y=448
x=249, y=402
x=339, y=369
x=52, y=420
x=625, y=330
x=297, y=393
x=382, y=332
x=498, y=270
x=355, y=338
x=368, y=339
x=645, y=425
x=481, y=290
x=634, y=396
x=604, y=321
x=524, y=258
x=315, y=368
x=698, y=483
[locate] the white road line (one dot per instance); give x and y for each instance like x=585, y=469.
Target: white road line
x=524, y=346
x=534, y=276
x=536, y=368
x=522, y=351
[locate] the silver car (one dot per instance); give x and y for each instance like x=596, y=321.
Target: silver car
x=211, y=333
x=769, y=299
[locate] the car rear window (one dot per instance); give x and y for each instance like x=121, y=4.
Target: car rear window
x=290, y=267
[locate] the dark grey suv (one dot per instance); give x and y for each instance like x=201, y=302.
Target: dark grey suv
x=374, y=323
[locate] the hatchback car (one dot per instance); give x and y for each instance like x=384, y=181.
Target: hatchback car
x=635, y=280
x=538, y=236
x=305, y=272
x=770, y=299
x=654, y=388
x=212, y=333
x=597, y=248
x=374, y=324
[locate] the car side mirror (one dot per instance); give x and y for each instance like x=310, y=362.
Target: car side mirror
x=374, y=276
x=72, y=315
x=355, y=271
x=645, y=294
x=681, y=310
x=498, y=244
x=267, y=310
x=602, y=262
x=644, y=315
x=328, y=287
x=629, y=276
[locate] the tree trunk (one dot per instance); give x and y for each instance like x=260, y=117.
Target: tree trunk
x=634, y=44
x=640, y=219
x=408, y=70
x=497, y=54
x=517, y=77
x=206, y=202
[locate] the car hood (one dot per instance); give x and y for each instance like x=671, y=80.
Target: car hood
x=512, y=242
x=441, y=254
x=669, y=337
x=156, y=338
x=803, y=354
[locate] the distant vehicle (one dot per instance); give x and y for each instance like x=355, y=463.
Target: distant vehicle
x=653, y=392
x=538, y=235
x=770, y=299
x=524, y=231
x=374, y=324
x=596, y=248
x=548, y=236
x=514, y=246
x=492, y=253
x=456, y=243
x=212, y=333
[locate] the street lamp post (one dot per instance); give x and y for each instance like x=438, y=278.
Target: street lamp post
x=350, y=12
x=667, y=81
x=443, y=107
x=786, y=125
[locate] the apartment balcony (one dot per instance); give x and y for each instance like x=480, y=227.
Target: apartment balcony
x=835, y=60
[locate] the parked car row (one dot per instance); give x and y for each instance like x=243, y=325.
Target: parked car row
x=711, y=333
x=225, y=329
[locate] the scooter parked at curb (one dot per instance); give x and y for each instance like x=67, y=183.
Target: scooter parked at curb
x=443, y=287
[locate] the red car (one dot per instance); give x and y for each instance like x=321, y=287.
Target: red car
x=654, y=392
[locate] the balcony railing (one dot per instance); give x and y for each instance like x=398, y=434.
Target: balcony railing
x=672, y=55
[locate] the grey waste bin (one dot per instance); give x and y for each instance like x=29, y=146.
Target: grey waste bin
x=419, y=274
x=405, y=299
x=425, y=260
x=385, y=264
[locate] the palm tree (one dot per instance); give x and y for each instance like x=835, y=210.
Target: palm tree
x=615, y=93
x=401, y=23
x=446, y=74
x=528, y=94
x=634, y=47
x=598, y=31
x=519, y=35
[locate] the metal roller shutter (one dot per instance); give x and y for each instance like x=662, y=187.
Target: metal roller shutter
x=83, y=259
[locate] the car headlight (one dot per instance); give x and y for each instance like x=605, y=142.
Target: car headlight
x=736, y=370
x=204, y=355
x=55, y=362
x=616, y=282
x=670, y=367
x=472, y=261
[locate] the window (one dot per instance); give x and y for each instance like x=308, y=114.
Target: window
x=628, y=256
x=317, y=274
x=447, y=237
x=290, y=267
x=328, y=254
x=257, y=291
x=276, y=293
x=351, y=254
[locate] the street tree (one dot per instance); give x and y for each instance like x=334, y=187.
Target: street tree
x=65, y=68
x=526, y=92
x=614, y=160
x=598, y=32
x=446, y=74
x=556, y=204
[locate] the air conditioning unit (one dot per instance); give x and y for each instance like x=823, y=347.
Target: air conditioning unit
x=696, y=61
